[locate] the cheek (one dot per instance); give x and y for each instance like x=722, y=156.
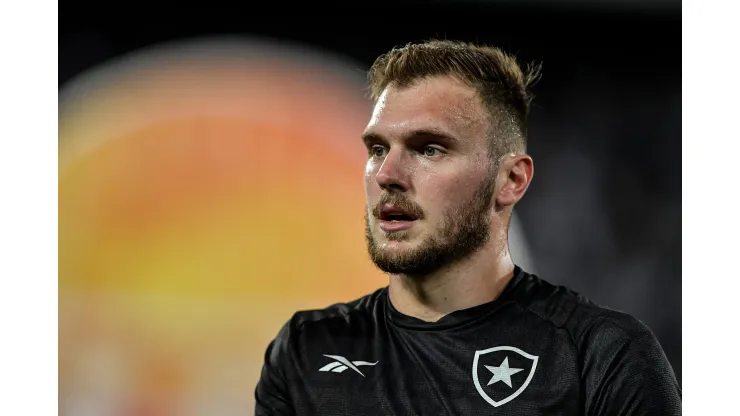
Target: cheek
x=369, y=170
x=369, y=179
x=441, y=193
x=437, y=193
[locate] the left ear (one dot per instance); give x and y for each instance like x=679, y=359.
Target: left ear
x=514, y=176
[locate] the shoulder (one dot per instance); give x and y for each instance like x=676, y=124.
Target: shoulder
x=363, y=306
x=618, y=355
x=584, y=320
x=337, y=319
x=287, y=352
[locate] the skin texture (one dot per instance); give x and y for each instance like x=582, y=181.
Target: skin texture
x=428, y=153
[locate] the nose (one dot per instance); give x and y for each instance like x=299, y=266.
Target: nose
x=393, y=172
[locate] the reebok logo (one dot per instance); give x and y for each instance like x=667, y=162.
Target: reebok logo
x=340, y=364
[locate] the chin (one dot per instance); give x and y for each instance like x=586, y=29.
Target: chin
x=394, y=250
x=394, y=237
x=397, y=247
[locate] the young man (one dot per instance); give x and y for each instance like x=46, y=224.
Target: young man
x=460, y=329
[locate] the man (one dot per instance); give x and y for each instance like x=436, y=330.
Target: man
x=460, y=329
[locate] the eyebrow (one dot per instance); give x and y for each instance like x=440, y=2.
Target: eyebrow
x=429, y=133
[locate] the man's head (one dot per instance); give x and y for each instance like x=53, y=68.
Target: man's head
x=446, y=153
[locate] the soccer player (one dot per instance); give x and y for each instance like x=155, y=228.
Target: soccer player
x=460, y=329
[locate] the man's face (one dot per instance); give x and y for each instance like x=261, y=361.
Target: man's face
x=429, y=178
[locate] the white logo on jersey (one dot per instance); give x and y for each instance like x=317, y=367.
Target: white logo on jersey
x=502, y=372
x=340, y=364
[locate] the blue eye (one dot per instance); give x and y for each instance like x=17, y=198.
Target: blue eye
x=431, y=151
x=377, y=151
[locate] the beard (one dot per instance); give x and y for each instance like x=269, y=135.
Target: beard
x=463, y=230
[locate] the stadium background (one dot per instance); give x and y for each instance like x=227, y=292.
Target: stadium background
x=210, y=178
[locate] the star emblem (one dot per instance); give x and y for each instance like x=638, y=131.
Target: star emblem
x=502, y=372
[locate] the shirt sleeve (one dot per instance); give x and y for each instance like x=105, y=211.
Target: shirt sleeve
x=627, y=373
x=272, y=393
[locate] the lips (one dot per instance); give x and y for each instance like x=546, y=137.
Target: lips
x=395, y=214
x=395, y=218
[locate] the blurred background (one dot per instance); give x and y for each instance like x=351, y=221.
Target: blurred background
x=210, y=177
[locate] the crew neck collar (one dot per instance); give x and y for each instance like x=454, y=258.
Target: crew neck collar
x=452, y=319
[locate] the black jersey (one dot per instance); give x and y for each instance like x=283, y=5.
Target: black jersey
x=538, y=349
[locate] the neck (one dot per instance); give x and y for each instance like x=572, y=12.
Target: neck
x=471, y=282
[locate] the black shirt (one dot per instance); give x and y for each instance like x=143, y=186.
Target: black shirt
x=538, y=349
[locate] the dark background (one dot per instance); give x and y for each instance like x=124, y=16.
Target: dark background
x=603, y=213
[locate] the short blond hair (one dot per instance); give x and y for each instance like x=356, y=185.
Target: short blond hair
x=503, y=86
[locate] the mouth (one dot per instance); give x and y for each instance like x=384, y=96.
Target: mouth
x=396, y=219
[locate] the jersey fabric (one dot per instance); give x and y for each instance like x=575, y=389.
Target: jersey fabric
x=538, y=349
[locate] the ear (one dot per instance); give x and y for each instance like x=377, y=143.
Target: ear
x=515, y=175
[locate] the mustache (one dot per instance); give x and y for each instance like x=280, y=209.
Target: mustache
x=399, y=201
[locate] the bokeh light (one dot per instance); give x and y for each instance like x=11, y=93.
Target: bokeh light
x=207, y=190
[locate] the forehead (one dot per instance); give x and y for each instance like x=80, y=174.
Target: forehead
x=441, y=103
